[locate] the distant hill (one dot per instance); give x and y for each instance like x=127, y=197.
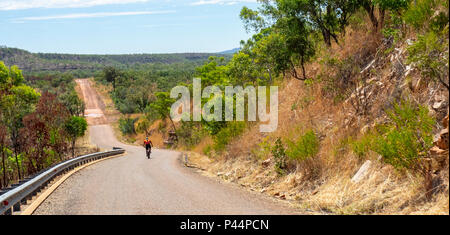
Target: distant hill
x=42, y=62
x=229, y=52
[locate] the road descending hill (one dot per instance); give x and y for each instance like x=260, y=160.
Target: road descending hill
x=133, y=184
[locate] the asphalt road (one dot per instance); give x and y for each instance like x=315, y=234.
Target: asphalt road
x=133, y=184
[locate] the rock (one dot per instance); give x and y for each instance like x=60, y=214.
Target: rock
x=263, y=190
x=445, y=122
x=442, y=142
x=364, y=129
x=416, y=83
x=276, y=194
x=283, y=197
x=436, y=151
x=220, y=173
x=409, y=41
x=266, y=163
x=362, y=172
x=438, y=104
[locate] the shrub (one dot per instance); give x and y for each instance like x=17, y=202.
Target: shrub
x=126, y=125
x=407, y=137
x=362, y=146
x=225, y=135
x=430, y=54
x=403, y=140
x=190, y=134
x=279, y=155
x=420, y=13
x=307, y=146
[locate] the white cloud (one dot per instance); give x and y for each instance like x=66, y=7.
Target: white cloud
x=219, y=2
x=91, y=15
x=28, y=4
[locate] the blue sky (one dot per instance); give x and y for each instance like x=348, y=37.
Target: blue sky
x=122, y=26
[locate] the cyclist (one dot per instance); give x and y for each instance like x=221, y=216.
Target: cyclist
x=148, y=146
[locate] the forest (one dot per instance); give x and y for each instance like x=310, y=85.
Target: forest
x=87, y=65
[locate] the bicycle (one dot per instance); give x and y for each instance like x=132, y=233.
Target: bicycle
x=148, y=152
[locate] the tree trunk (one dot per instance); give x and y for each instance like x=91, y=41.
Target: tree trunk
x=173, y=124
x=326, y=37
x=73, y=147
x=303, y=68
x=5, y=181
x=370, y=9
x=16, y=146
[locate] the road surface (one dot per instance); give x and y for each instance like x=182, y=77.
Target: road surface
x=133, y=184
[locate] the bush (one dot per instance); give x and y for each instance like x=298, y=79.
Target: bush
x=430, y=54
x=307, y=146
x=225, y=135
x=190, y=134
x=279, y=155
x=403, y=140
x=362, y=146
x=126, y=125
x=407, y=137
x=419, y=14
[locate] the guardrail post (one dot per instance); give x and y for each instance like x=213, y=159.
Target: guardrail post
x=16, y=207
x=8, y=212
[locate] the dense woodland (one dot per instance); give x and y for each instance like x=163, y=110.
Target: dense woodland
x=87, y=65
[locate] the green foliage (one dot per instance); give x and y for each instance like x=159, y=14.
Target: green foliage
x=306, y=146
x=418, y=15
x=403, y=140
x=135, y=87
x=162, y=104
x=83, y=66
x=73, y=103
x=407, y=137
x=76, y=127
x=190, y=134
x=430, y=55
x=280, y=157
x=225, y=135
x=362, y=146
x=126, y=125
x=264, y=148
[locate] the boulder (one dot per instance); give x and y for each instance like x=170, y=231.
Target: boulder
x=362, y=172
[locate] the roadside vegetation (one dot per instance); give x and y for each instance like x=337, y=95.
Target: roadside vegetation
x=361, y=81
x=39, y=124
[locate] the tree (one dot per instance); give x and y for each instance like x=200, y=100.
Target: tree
x=16, y=101
x=73, y=103
x=3, y=149
x=162, y=106
x=44, y=134
x=75, y=127
x=111, y=74
x=371, y=6
x=143, y=126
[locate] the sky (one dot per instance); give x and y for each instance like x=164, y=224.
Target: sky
x=122, y=26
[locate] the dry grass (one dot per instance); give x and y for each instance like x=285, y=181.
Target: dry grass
x=324, y=183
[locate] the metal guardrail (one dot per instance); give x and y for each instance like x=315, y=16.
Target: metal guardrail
x=18, y=194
